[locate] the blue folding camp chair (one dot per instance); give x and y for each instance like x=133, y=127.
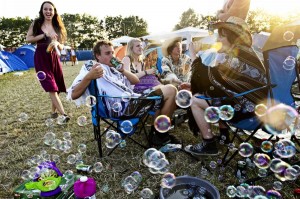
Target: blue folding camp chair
x=137, y=111
x=280, y=80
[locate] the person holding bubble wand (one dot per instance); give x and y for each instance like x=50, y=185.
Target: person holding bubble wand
x=49, y=33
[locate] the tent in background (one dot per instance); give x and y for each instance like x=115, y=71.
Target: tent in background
x=4, y=67
x=120, y=51
x=121, y=40
x=187, y=33
x=12, y=61
x=26, y=54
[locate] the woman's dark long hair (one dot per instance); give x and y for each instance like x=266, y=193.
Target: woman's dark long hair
x=57, y=23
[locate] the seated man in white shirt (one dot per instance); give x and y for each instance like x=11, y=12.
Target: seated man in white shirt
x=113, y=82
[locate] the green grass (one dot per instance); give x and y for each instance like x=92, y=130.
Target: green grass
x=20, y=141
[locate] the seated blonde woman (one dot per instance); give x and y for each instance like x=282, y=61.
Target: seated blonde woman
x=133, y=63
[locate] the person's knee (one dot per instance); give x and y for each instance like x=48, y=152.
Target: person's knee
x=169, y=91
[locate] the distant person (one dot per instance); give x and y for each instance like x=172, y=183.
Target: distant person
x=49, y=31
x=73, y=56
x=236, y=8
x=63, y=55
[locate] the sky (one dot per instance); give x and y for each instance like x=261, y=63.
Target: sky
x=161, y=15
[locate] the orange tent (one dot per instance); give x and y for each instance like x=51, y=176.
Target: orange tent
x=120, y=52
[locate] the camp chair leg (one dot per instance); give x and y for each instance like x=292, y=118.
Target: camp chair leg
x=97, y=136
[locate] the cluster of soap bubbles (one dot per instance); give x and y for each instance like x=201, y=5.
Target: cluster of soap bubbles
x=112, y=139
x=131, y=182
x=184, y=99
x=58, y=144
x=162, y=123
x=213, y=114
x=251, y=191
x=156, y=161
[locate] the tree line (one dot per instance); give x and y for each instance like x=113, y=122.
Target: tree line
x=84, y=30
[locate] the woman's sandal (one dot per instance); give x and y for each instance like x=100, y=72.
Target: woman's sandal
x=54, y=115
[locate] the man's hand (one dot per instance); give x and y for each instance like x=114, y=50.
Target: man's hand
x=95, y=72
x=185, y=86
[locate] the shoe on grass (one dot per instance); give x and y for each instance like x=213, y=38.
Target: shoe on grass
x=202, y=149
x=54, y=115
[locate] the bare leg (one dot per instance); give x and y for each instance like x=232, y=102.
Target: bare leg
x=169, y=92
x=198, y=107
x=53, y=107
x=56, y=102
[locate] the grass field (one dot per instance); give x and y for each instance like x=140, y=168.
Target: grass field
x=20, y=141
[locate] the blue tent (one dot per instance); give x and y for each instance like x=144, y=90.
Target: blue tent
x=84, y=55
x=26, y=54
x=12, y=61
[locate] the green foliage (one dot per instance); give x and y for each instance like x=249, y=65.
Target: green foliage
x=83, y=30
x=13, y=31
x=118, y=26
x=188, y=18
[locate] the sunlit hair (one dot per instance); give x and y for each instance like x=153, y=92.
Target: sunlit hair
x=173, y=45
x=57, y=23
x=97, y=50
x=129, y=50
x=230, y=35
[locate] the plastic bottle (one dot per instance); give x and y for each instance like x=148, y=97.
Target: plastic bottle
x=85, y=188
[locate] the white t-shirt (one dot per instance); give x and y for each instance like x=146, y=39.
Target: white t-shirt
x=63, y=52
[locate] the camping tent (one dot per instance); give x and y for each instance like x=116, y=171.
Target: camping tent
x=121, y=40
x=4, y=67
x=188, y=33
x=120, y=51
x=26, y=54
x=12, y=61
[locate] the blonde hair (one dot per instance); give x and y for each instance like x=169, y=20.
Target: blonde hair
x=129, y=50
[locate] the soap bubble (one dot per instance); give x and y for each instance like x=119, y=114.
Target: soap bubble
x=266, y=146
x=71, y=159
x=81, y=148
x=288, y=36
x=81, y=120
x=231, y=191
x=168, y=180
x=23, y=117
x=184, y=98
x=246, y=149
x=112, y=139
x=285, y=148
x=126, y=126
x=116, y=107
x=289, y=63
x=211, y=114
x=90, y=101
x=41, y=75
x=49, y=137
x=98, y=167
x=262, y=160
x=147, y=193
x=260, y=110
x=49, y=122
x=226, y=112
x=162, y=123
